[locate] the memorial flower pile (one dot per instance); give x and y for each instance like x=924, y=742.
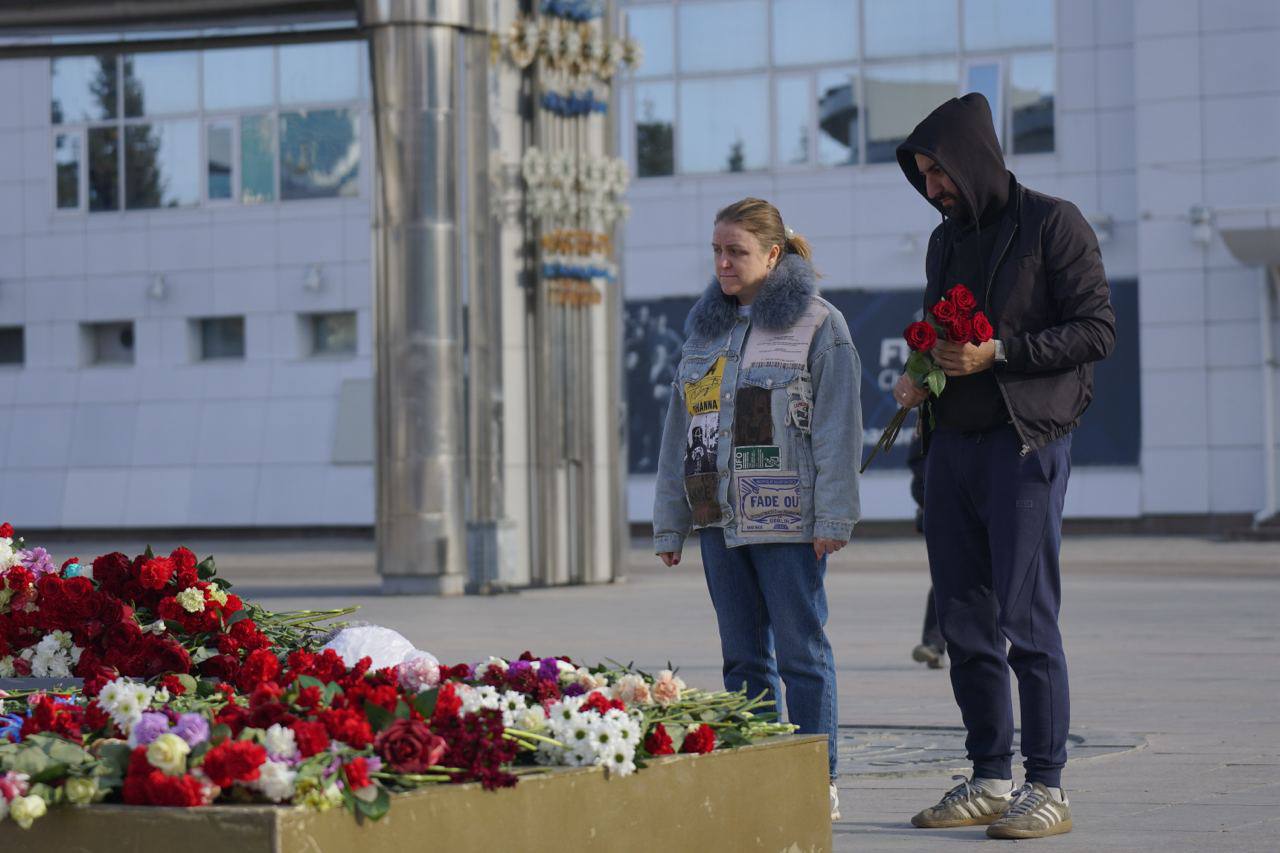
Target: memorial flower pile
x=265, y=714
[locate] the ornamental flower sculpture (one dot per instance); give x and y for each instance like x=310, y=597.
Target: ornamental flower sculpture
x=952, y=317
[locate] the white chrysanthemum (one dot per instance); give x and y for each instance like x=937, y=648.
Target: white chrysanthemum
x=475, y=699
x=6, y=667
x=620, y=761
x=513, y=705
x=191, y=599
x=565, y=710
x=124, y=701
x=280, y=742
x=275, y=780
x=8, y=557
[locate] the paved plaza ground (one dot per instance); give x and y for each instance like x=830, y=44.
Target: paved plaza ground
x=1173, y=643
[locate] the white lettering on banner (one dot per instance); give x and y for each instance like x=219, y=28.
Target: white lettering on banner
x=894, y=350
x=788, y=346
x=769, y=503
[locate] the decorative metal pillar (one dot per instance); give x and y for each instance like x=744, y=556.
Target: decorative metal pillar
x=417, y=50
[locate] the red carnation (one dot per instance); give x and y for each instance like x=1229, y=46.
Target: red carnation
x=222, y=667
x=233, y=761
x=598, y=703
x=173, y=684
x=658, y=742
x=6, y=530
x=156, y=572
x=146, y=786
x=982, y=331
x=962, y=298
x=185, y=563
x=357, y=770
x=261, y=665
x=921, y=336
x=408, y=746
x=945, y=311
x=700, y=740
x=960, y=330
x=448, y=704
x=348, y=726
x=311, y=737
x=111, y=571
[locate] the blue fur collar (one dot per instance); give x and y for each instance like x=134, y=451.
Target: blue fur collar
x=780, y=303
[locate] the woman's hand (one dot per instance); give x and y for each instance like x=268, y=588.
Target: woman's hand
x=823, y=547
x=670, y=558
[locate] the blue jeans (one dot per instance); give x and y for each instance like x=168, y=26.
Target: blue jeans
x=771, y=596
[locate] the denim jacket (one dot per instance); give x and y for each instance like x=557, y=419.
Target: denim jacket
x=763, y=434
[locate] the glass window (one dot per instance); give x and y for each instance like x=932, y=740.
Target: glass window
x=104, y=168
x=808, y=31
x=221, y=337
x=239, y=77
x=652, y=27
x=12, y=345
x=219, y=143
x=161, y=164
x=66, y=158
x=320, y=72
x=723, y=35
x=85, y=88
x=895, y=28
x=984, y=77
x=724, y=124
x=999, y=24
x=898, y=97
x=108, y=343
x=655, y=129
x=319, y=154
x=159, y=83
x=257, y=159
x=791, y=94
x=838, y=118
x=1031, y=78
x=333, y=334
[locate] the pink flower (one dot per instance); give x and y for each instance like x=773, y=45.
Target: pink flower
x=667, y=687
x=13, y=785
x=418, y=671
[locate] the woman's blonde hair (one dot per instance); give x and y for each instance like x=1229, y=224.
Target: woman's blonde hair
x=764, y=222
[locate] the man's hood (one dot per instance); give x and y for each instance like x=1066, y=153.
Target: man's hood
x=960, y=137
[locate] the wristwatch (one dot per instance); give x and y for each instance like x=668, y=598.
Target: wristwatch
x=1000, y=358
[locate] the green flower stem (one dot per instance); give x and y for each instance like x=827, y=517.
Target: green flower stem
x=521, y=733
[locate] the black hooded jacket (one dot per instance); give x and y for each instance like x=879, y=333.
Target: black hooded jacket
x=1045, y=292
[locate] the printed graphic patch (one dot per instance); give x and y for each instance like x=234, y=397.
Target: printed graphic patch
x=703, y=395
x=788, y=347
x=800, y=403
x=703, y=491
x=753, y=416
x=760, y=457
x=769, y=503
x=701, y=444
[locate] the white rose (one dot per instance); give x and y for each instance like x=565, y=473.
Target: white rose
x=81, y=790
x=25, y=810
x=168, y=753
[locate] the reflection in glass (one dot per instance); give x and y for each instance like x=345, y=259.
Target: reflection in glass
x=652, y=27
x=319, y=154
x=724, y=124
x=238, y=77
x=791, y=126
x=1031, y=102
x=320, y=72
x=159, y=83
x=218, y=142
x=84, y=88
x=898, y=97
x=221, y=337
x=257, y=159
x=333, y=334
x=838, y=117
x=895, y=28
x=984, y=77
x=104, y=168
x=109, y=343
x=66, y=158
x=161, y=164
x=655, y=126
x=998, y=24
x=806, y=31
x=723, y=35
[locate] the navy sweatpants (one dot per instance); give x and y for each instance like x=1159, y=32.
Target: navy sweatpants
x=993, y=525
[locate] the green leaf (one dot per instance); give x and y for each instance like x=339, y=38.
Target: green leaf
x=237, y=616
x=379, y=717
x=310, y=681
x=115, y=758
x=205, y=569
x=149, y=554
x=402, y=710
x=937, y=381
x=425, y=702
x=52, y=772
x=31, y=761
x=377, y=809
x=219, y=733
x=918, y=364
x=331, y=690
x=188, y=683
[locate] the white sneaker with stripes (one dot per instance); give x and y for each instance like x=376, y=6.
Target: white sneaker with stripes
x=967, y=804
x=1034, y=813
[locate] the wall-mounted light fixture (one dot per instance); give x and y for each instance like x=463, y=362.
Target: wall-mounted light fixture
x=314, y=278
x=1201, y=217
x=158, y=288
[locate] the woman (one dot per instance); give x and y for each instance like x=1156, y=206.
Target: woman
x=760, y=450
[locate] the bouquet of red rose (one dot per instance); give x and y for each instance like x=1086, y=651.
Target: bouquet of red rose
x=953, y=318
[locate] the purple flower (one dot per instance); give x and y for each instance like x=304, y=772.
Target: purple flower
x=192, y=728
x=518, y=667
x=574, y=689
x=150, y=727
x=38, y=561
x=549, y=669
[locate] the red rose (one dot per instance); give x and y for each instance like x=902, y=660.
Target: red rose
x=220, y=666
x=962, y=298
x=944, y=311
x=408, y=746
x=921, y=336
x=111, y=571
x=658, y=742
x=156, y=573
x=311, y=737
x=960, y=330
x=700, y=740
x=233, y=761
x=6, y=530
x=261, y=665
x=982, y=331
x=357, y=770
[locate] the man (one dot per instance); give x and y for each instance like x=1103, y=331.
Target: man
x=997, y=462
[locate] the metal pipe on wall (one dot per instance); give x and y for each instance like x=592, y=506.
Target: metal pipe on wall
x=415, y=48
x=1270, y=297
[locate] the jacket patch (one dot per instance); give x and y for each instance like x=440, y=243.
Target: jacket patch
x=763, y=457
x=800, y=403
x=788, y=346
x=703, y=395
x=753, y=416
x=769, y=503
x=702, y=443
x=703, y=491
